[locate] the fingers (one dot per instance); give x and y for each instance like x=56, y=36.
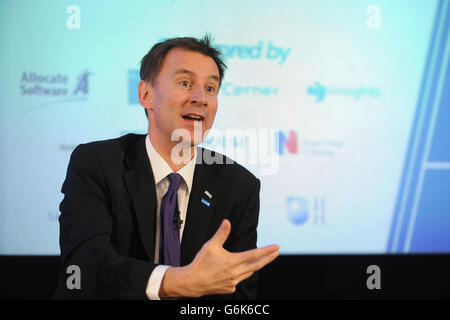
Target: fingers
x=254, y=260
x=222, y=233
x=257, y=264
x=254, y=254
x=248, y=269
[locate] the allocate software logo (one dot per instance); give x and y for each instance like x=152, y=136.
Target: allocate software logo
x=57, y=87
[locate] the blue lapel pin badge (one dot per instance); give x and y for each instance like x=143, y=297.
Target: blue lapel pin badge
x=205, y=202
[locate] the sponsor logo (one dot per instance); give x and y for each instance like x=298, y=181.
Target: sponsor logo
x=320, y=147
x=297, y=210
x=57, y=87
x=301, y=210
x=234, y=90
x=287, y=143
x=320, y=91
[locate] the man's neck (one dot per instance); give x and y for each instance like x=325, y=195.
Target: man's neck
x=185, y=154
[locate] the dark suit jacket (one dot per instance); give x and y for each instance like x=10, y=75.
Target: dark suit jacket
x=108, y=217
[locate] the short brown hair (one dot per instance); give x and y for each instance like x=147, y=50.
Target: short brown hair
x=152, y=61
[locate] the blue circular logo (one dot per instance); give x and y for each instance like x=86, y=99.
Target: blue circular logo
x=297, y=210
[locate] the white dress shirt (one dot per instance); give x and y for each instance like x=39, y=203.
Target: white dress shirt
x=161, y=170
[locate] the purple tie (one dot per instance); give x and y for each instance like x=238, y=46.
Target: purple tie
x=171, y=223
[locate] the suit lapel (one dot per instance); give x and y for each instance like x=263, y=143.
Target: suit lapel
x=139, y=180
x=200, y=211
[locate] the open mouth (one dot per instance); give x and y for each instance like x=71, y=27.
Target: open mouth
x=193, y=117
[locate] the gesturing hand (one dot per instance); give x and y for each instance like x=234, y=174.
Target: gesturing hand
x=214, y=270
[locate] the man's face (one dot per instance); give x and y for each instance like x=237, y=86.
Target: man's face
x=184, y=95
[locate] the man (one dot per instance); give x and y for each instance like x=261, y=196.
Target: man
x=144, y=217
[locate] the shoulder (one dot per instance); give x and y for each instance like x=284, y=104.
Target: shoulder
x=111, y=145
x=110, y=150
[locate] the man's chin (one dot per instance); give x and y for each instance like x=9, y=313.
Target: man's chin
x=184, y=150
x=191, y=141
x=189, y=137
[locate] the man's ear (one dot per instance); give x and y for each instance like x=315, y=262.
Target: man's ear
x=145, y=93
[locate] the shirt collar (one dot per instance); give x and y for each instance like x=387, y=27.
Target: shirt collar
x=161, y=168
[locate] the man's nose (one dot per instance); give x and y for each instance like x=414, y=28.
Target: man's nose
x=198, y=95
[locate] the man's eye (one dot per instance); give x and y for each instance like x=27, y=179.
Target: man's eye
x=184, y=83
x=211, y=89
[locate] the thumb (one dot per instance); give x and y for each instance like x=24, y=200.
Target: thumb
x=222, y=233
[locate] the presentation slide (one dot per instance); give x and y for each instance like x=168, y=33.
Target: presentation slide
x=340, y=108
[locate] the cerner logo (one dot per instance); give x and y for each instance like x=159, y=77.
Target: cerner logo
x=319, y=91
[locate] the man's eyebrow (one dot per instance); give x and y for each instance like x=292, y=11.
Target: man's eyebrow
x=181, y=71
